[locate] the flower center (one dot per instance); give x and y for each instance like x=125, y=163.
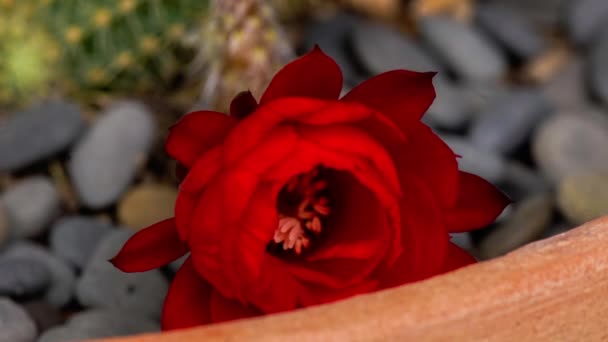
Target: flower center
x=303, y=205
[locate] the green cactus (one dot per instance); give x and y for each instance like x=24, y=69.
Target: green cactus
x=116, y=46
x=27, y=56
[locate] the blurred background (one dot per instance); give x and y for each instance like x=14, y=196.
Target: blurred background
x=89, y=88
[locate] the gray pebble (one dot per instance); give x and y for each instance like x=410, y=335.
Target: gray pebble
x=522, y=182
x=566, y=90
x=526, y=223
x=566, y=145
x=583, y=197
x=104, y=163
x=506, y=124
x=92, y=324
x=511, y=30
x=177, y=264
x=585, y=19
x=381, y=49
x=44, y=314
x=104, y=286
x=4, y=226
x=63, y=280
x=462, y=240
x=598, y=68
x=38, y=133
x=488, y=165
x=450, y=109
x=22, y=277
x=31, y=205
x=541, y=13
x=15, y=324
x=75, y=238
x=463, y=48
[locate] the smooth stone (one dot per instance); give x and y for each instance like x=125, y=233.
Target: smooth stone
x=15, y=324
x=31, y=205
x=543, y=13
x=450, y=109
x=332, y=35
x=105, y=161
x=584, y=197
x=506, y=124
x=92, y=324
x=556, y=229
x=511, y=30
x=63, y=279
x=104, y=286
x=38, y=133
x=381, y=49
x=147, y=204
x=567, y=89
x=598, y=69
x=75, y=238
x=521, y=181
x=4, y=226
x=528, y=221
x=463, y=48
x=44, y=314
x=585, y=19
x=566, y=145
x=480, y=95
x=23, y=277
x=462, y=240
x=488, y=165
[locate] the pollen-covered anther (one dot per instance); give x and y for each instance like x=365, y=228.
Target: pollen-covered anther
x=291, y=233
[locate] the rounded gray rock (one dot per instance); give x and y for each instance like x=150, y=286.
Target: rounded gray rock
x=104, y=286
x=511, y=30
x=450, y=109
x=63, y=279
x=598, y=69
x=4, y=225
x=463, y=48
x=105, y=161
x=75, y=238
x=93, y=324
x=528, y=221
x=585, y=19
x=31, y=205
x=15, y=324
x=381, y=49
x=567, y=90
x=488, y=165
x=22, y=277
x=567, y=145
x=38, y=133
x=506, y=123
x=583, y=197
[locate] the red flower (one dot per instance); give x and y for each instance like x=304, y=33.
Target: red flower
x=304, y=199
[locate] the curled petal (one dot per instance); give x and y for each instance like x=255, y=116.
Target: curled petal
x=150, y=248
x=479, y=204
x=312, y=75
x=195, y=133
x=188, y=302
x=404, y=96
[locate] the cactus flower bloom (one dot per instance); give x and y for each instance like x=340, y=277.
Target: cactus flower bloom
x=303, y=198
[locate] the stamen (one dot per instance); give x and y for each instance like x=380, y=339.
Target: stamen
x=291, y=234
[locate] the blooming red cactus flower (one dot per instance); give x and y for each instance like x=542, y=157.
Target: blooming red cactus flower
x=304, y=198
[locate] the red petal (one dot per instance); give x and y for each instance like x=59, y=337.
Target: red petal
x=457, y=258
x=479, y=204
x=424, y=237
x=150, y=248
x=242, y=105
x=188, y=302
x=431, y=160
x=224, y=309
x=195, y=133
x=404, y=96
x=312, y=75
